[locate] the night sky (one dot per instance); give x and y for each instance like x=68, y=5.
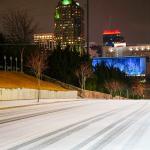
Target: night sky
x=132, y=17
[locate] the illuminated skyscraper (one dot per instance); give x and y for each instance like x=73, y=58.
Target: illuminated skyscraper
x=69, y=27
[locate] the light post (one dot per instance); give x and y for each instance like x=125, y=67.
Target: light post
x=127, y=94
x=5, y=63
x=11, y=62
x=16, y=63
x=87, y=27
x=22, y=50
x=21, y=64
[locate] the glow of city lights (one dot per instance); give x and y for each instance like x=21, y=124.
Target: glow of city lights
x=77, y=3
x=142, y=48
x=111, y=50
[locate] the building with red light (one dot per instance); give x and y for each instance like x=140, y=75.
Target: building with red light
x=113, y=38
x=114, y=47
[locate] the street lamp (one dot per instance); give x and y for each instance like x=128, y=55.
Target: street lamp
x=22, y=51
x=5, y=62
x=16, y=63
x=87, y=26
x=11, y=62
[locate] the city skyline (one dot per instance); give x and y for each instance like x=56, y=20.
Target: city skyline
x=133, y=21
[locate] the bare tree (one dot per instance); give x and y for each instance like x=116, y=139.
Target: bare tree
x=19, y=26
x=115, y=86
x=83, y=72
x=38, y=63
x=138, y=89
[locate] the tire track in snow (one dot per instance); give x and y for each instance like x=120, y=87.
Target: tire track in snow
x=13, y=119
x=108, y=138
x=108, y=128
x=72, y=128
x=136, y=137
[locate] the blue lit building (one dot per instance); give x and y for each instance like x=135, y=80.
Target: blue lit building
x=132, y=66
x=116, y=54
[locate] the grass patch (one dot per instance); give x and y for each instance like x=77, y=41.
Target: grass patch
x=20, y=80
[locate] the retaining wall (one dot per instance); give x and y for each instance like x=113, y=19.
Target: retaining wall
x=81, y=93
x=19, y=94
x=93, y=94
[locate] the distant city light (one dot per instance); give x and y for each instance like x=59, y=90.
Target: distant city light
x=66, y=2
x=111, y=32
x=77, y=3
x=57, y=14
x=111, y=50
x=142, y=48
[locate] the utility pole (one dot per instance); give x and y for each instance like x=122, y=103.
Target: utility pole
x=87, y=27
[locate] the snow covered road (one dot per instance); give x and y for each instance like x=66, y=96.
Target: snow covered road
x=86, y=125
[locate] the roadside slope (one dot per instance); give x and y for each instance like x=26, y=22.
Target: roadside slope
x=20, y=80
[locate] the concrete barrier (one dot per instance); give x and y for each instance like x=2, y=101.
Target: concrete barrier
x=19, y=94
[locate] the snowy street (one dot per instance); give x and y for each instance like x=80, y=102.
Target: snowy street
x=75, y=125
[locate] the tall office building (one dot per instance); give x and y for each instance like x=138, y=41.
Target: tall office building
x=69, y=26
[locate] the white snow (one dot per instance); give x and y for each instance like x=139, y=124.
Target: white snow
x=86, y=124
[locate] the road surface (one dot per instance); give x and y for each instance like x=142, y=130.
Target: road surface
x=77, y=125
